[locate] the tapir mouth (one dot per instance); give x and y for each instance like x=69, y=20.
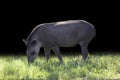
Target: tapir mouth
x=30, y=60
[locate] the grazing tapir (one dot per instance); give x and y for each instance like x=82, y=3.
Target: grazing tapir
x=53, y=35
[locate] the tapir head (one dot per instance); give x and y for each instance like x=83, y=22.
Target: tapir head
x=32, y=49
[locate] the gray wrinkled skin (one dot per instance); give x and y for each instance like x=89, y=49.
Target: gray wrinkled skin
x=51, y=36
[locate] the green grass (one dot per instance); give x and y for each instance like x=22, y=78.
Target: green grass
x=101, y=67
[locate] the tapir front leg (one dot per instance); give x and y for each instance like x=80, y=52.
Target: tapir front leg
x=47, y=52
x=56, y=50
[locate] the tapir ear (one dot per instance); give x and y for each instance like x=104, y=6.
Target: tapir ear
x=24, y=41
x=34, y=42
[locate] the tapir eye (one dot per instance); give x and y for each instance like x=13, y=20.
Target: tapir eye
x=33, y=42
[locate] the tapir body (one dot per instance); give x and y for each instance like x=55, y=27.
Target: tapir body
x=53, y=35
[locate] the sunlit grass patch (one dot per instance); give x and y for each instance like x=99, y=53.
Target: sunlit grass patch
x=105, y=66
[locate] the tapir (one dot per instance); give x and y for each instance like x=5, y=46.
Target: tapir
x=52, y=36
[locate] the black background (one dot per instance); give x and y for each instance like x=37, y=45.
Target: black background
x=17, y=19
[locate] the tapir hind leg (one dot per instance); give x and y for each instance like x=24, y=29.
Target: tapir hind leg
x=84, y=49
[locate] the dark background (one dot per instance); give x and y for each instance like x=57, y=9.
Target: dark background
x=17, y=19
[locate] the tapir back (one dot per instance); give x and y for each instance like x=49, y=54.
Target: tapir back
x=65, y=34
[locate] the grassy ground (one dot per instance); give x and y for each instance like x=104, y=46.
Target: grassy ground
x=104, y=66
